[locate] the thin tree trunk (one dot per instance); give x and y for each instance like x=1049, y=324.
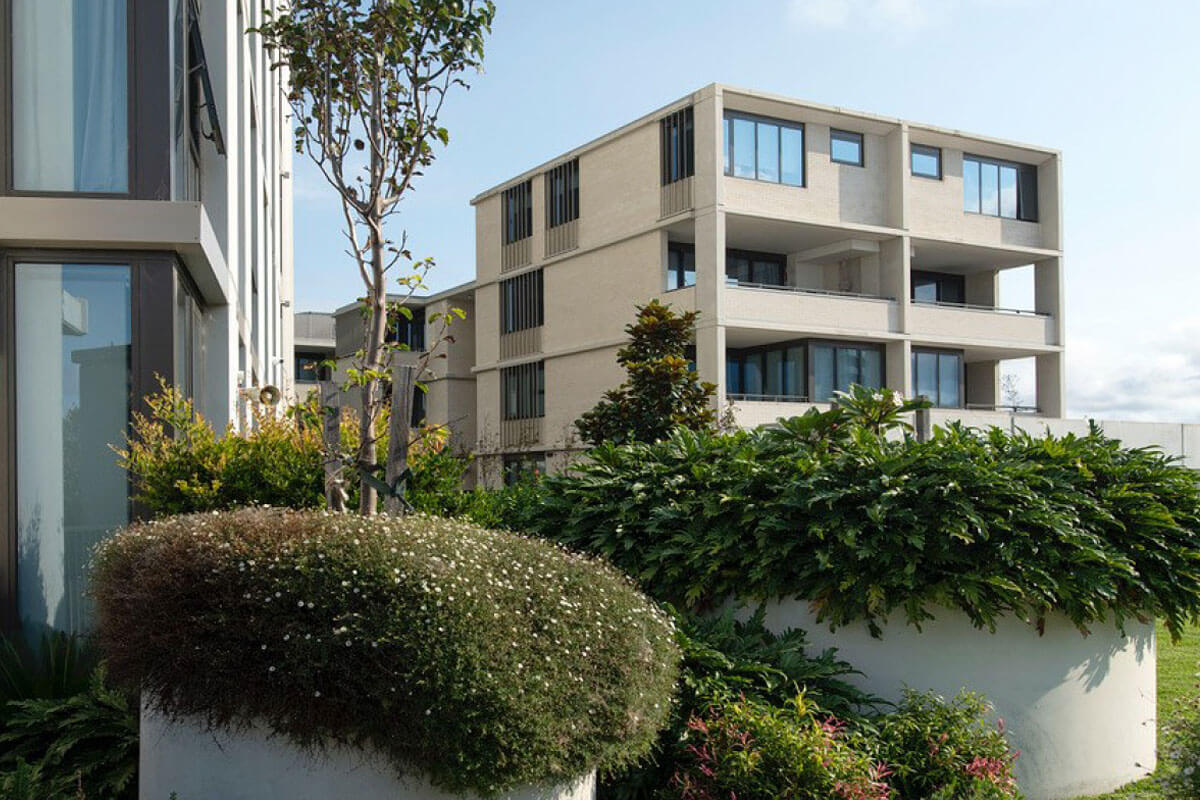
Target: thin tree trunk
x=331, y=418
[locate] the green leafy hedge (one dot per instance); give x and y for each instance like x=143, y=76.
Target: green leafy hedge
x=838, y=508
x=484, y=659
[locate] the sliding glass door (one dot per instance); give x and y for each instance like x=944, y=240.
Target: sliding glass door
x=72, y=350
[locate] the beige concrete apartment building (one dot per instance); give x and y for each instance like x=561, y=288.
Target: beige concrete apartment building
x=821, y=246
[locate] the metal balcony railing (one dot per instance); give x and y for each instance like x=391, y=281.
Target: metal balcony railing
x=974, y=307
x=1010, y=409
x=740, y=397
x=735, y=283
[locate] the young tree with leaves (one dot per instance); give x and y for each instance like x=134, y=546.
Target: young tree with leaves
x=368, y=79
x=661, y=392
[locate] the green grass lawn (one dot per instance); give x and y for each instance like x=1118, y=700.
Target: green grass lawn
x=1177, y=668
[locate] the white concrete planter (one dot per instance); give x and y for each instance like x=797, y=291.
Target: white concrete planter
x=1080, y=709
x=197, y=764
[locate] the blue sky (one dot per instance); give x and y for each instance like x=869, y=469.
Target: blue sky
x=1114, y=85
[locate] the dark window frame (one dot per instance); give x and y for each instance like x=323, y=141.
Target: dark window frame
x=311, y=357
x=7, y=116
x=530, y=400
x=938, y=278
x=516, y=212
x=152, y=306
x=809, y=376
x=731, y=115
x=523, y=302
x=842, y=135
x=562, y=194
x=678, y=280
x=677, y=146
x=513, y=465
x=403, y=330
x=779, y=259
x=962, y=373
x=1027, y=188
x=927, y=150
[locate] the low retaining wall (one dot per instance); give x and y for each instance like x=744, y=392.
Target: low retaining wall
x=1080, y=709
x=197, y=764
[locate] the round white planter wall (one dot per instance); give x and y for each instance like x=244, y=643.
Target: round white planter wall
x=197, y=764
x=1080, y=709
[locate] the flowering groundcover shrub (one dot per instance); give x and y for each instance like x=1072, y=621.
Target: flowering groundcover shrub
x=483, y=659
x=926, y=749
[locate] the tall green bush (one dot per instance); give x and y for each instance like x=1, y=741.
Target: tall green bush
x=481, y=658
x=845, y=509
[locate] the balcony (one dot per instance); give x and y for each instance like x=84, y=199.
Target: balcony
x=753, y=410
x=960, y=322
x=812, y=311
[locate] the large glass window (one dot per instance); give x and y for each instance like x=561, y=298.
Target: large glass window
x=72, y=348
x=782, y=371
x=938, y=375
x=763, y=149
x=307, y=364
x=837, y=367
x=681, y=265
x=189, y=339
x=70, y=95
x=846, y=147
x=999, y=188
x=747, y=267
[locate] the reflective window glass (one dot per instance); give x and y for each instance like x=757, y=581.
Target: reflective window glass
x=768, y=152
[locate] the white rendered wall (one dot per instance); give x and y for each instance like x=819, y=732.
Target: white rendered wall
x=194, y=764
x=1080, y=709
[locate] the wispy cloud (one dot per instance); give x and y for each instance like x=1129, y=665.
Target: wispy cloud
x=1156, y=379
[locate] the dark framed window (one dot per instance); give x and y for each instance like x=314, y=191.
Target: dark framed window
x=925, y=161
x=307, y=363
x=803, y=369
x=562, y=194
x=681, y=265
x=938, y=375
x=938, y=287
x=764, y=149
x=523, y=390
x=999, y=188
x=776, y=371
x=523, y=466
x=518, y=212
x=71, y=115
x=749, y=267
x=406, y=329
x=522, y=304
x=677, y=146
x=836, y=366
x=188, y=335
x=846, y=147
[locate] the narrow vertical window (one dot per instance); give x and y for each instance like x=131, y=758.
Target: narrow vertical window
x=681, y=265
x=677, y=146
x=562, y=194
x=518, y=212
x=524, y=391
x=521, y=302
x=70, y=96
